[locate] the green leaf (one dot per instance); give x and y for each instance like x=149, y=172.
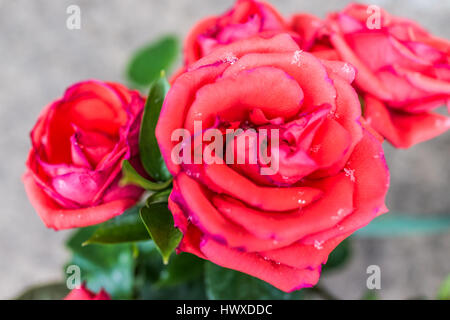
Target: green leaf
x=151, y=158
x=394, y=224
x=155, y=281
x=227, y=284
x=339, y=256
x=131, y=176
x=162, y=196
x=444, y=290
x=147, y=62
x=160, y=225
x=194, y=290
x=127, y=227
x=183, y=267
x=103, y=266
x=52, y=291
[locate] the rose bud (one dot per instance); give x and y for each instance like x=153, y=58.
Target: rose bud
x=403, y=71
x=78, y=145
x=327, y=177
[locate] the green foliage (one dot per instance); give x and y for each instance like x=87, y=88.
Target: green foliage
x=444, y=290
x=160, y=225
x=127, y=227
x=151, y=157
x=131, y=176
x=224, y=284
x=147, y=63
x=103, y=266
x=181, y=279
x=339, y=256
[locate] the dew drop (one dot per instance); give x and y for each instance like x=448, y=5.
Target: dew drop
x=339, y=214
x=350, y=173
x=318, y=244
x=346, y=68
x=296, y=58
x=230, y=58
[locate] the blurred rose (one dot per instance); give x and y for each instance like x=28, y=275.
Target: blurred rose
x=78, y=145
x=403, y=71
x=331, y=177
x=247, y=18
x=83, y=293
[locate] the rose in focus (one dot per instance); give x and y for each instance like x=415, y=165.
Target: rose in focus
x=403, y=71
x=331, y=179
x=78, y=145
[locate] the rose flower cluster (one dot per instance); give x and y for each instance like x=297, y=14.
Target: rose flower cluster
x=321, y=94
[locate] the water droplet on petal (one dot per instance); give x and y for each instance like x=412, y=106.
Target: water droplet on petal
x=318, y=244
x=230, y=58
x=296, y=58
x=350, y=173
x=346, y=68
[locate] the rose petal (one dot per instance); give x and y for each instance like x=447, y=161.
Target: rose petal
x=59, y=218
x=267, y=88
x=264, y=198
x=402, y=129
x=288, y=227
x=280, y=276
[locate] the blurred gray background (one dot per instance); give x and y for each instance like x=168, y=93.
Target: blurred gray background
x=40, y=57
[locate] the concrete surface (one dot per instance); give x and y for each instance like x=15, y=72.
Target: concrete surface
x=40, y=57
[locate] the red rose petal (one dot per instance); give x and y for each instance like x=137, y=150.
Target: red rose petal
x=59, y=218
x=367, y=167
x=288, y=227
x=267, y=88
x=402, y=129
x=280, y=276
x=232, y=52
x=264, y=198
x=301, y=256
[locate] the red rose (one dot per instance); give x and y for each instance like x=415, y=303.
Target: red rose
x=330, y=179
x=84, y=293
x=247, y=18
x=403, y=71
x=78, y=145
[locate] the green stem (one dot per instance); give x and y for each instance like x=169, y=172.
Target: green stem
x=131, y=176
